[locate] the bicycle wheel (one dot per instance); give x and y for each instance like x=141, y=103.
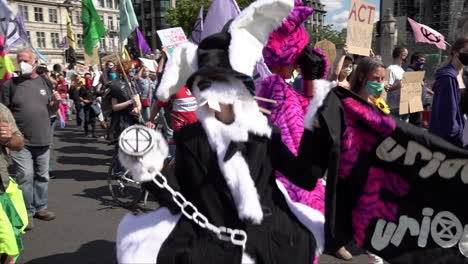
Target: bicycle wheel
x=124, y=190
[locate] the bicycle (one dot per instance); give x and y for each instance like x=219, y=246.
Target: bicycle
x=124, y=190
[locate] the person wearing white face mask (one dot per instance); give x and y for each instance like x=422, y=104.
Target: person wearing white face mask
x=31, y=98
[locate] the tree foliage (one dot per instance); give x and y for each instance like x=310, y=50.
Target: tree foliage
x=186, y=12
x=327, y=32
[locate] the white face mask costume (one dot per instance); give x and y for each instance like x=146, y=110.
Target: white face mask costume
x=218, y=72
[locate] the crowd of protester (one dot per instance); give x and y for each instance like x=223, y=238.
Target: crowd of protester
x=124, y=93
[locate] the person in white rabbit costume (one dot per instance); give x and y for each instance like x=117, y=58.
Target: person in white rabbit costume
x=223, y=204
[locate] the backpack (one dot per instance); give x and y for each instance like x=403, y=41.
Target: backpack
x=106, y=103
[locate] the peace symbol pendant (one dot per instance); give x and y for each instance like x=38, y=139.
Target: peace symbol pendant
x=136, y=140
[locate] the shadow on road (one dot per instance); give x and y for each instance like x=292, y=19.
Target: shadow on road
x=85, y=149
x=85, y=161
x=79, y=175
x=101, y=194
x=94, y=252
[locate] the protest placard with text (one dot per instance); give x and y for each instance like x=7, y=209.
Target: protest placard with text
x=411, y=90
x=172, y=37
x=360, y=27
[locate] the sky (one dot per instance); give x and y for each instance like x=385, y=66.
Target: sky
x=338, y=10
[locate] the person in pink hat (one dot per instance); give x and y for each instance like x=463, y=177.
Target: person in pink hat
x=287, y=50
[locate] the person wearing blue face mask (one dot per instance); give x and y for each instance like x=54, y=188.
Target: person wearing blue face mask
x=417, y=63
x=146, y=87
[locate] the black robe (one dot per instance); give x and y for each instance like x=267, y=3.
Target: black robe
x=280, y=238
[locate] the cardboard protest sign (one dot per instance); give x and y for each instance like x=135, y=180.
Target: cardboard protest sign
x=172, y=37
x=152, y=65
x=113, y=57
x=360, y=27
x=411, y=90
x=384, y=94
x=328, y=48
x=81, y=69
x=92, y=60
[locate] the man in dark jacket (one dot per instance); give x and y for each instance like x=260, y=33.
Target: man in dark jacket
x=446, y=118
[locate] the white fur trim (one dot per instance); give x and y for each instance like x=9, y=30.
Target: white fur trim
x=309, y=217
x=248, y=118
x=181, y=64
x=251, y=29
x=139, y=238
x=246, y=259
x=322, y=88
x=144, y=168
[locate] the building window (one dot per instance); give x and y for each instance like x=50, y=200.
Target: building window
x=25, y=11
x=41, y=39
x=165, y=4
x=110, y=22
x=101, y=3
x=102, y=44
x=79, y=20
x=29, y=35
x=117, y=4
x=38, y=14
x=55, y=40
x=53, y=16
x=79, y=40
x=109, y=4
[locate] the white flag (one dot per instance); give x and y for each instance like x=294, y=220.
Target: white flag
x=5, y=14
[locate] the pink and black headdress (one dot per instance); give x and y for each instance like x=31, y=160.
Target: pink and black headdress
x=286, y=44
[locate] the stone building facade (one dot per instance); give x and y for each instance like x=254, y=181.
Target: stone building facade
x=317, y=19
x=45, y=22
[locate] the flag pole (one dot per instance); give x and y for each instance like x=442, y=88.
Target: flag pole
x=124, y=73
x=132, y=91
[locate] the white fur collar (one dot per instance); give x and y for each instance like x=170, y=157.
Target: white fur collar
x=248, y=118
x=322, y=88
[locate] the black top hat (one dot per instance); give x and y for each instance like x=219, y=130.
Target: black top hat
x=213, y=60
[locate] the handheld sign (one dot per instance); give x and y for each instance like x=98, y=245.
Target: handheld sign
x=152, y=65
x=360, y=27
x=328, y=48
x=411, y=90
x=113, y=58
x=172, y=37
x=384, y=94
x=92, y=60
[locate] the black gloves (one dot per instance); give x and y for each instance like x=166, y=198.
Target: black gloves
x=312, y=64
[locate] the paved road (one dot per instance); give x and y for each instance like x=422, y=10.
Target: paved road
x=85, y=229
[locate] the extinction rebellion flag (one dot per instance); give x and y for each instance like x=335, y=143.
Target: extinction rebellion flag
x=93, y=27
x=398, y=191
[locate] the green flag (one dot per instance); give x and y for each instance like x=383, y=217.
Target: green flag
x=128, y=20
x=93, y=28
